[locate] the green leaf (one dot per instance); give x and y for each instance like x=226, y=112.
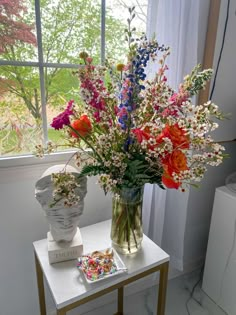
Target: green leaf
x=91, y=170
x=142, y=176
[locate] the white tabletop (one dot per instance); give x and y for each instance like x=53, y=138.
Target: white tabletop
x=68, y=285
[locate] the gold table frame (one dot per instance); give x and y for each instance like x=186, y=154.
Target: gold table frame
x=162, y=268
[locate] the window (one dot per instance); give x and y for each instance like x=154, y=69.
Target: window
x=40, y=42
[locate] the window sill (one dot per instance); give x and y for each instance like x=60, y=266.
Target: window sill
x=26, y=160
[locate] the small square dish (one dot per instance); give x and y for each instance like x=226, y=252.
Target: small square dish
x=100, y=265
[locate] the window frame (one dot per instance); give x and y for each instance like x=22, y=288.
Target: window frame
x=41, y=65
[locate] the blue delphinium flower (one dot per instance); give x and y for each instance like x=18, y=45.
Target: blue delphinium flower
x=132, y=81
x=127, y=143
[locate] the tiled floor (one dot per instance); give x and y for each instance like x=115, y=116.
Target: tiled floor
x=144, y=303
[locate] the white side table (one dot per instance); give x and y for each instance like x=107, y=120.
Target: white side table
x=69, y=289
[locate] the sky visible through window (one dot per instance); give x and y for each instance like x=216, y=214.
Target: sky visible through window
x=119, y=9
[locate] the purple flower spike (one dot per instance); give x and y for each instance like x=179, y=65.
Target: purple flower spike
x=63, y=118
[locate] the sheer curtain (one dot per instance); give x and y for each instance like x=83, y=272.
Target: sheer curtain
x=154, y=203
x=181, y=25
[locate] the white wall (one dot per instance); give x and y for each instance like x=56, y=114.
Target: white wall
x=201, y=200
x=22, y=222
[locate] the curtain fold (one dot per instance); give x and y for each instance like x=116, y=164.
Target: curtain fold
x=153, y=222
x=179, y=25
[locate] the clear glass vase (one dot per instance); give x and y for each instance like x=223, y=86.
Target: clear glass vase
x=126, y=229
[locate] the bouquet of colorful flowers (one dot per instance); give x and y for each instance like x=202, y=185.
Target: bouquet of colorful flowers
x=138, y=130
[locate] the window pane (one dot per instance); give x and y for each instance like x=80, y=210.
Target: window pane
x=62, y=85
x=117, y=14
x=17, y=30
x=69, y=27
x=20, y=110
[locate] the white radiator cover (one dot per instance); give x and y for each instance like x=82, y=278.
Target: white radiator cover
x=219, y=280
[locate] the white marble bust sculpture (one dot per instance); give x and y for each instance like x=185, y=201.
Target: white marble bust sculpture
x=63, y=220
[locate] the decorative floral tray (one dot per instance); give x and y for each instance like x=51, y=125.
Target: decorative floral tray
x=100, y=265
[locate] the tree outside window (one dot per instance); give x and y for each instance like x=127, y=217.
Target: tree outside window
x=51, y=42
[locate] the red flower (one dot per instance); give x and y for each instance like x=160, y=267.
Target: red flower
x=82, y=125
x=168, y=181
x=141, y=134
x=177, y=136
x=174, y=163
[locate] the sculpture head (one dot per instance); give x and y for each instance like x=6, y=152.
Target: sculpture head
x=63, y=220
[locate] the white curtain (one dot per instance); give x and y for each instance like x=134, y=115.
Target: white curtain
x=154, y=203
x=181, y=25
x=175, y=23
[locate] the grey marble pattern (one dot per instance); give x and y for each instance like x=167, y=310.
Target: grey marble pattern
x=144, y=303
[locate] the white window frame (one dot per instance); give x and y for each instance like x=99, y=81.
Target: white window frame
x=40, y=64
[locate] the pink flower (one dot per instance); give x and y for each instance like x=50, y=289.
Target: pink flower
x=127, y=67
x=116, y=110
x=97, y=116
x=169, y=112
x=179, y=98
x=89, y=60
x=63, y=118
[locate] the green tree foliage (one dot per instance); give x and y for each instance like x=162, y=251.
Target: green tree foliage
x=68, y=27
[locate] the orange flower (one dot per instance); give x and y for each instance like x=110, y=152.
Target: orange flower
x=177, y=162
x=82, y=125
x=168, y=181
x=174, y=163
x=177, y=136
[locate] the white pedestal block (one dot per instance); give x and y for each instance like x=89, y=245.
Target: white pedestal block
x=62, y=251
x=219, y=281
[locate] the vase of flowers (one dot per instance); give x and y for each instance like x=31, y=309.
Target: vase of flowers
x=136, y=131
x=126, y=229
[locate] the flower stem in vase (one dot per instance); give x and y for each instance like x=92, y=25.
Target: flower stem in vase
x=126, y=232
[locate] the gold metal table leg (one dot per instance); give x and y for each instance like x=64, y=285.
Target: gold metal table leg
x=120, y=301
x=162, y=289
x=61, y=312
x=41, y=294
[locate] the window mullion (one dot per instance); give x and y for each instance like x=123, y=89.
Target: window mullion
x=103, y=21
x=36, y=64
x=18, y=63
x=41, y=70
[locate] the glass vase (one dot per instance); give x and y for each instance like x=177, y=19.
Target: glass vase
x=126, y=229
